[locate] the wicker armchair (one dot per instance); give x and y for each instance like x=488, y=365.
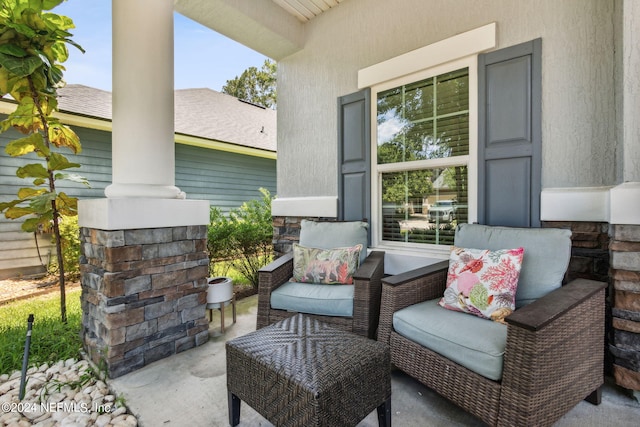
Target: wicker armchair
x=553, y=357
x=366, y=281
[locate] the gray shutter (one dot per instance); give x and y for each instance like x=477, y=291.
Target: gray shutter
x=509, y=136
x=354, y=156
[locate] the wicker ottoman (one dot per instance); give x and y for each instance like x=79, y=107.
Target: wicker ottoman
x=302, y=372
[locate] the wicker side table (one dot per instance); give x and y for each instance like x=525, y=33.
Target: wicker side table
x=302, y=372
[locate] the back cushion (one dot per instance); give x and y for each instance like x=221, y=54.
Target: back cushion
x=546, y=254
x=329, y=235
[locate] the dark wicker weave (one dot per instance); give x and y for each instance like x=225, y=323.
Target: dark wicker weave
x=302, y=372
x=553, y=358
x=366, y=300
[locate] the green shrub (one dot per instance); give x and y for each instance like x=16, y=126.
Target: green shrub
x=219, y=234
x=51, y=339
x=70, y=240
x=242, y=240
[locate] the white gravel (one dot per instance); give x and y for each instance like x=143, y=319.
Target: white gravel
x=67, y=393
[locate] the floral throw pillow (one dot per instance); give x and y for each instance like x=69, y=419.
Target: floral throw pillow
x=483, y=282
x=325, y=266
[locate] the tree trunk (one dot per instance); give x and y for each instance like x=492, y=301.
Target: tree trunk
x=60, y=256
x=54, y=208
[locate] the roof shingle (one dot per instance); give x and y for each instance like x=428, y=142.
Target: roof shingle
x=203, y=113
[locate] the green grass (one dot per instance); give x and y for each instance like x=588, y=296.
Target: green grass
x=238, y=278
x=224, y=268
x=51, y=340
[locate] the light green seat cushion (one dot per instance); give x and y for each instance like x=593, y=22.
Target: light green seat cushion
x=330, y=235
x=475, y=343
x=311, y=298
x=546, y=254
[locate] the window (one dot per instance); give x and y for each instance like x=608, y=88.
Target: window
x=422, y=151
x=424, y=136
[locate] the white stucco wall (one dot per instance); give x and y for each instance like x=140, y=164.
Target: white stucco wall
x=629, y=62
x=579, y=119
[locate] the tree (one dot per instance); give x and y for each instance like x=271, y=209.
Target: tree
x=256, y=86
x=33, y=44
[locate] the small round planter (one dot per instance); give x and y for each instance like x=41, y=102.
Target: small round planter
x=220, y=290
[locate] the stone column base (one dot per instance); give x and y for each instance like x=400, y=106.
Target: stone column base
x=143, y=294
x=625, y=272
x=286, y=232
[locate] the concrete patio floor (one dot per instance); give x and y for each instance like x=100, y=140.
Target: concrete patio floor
x=189, y=389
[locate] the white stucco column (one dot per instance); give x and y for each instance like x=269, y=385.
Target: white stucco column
x=631, y=90
x=625, y=198
x=143, y=192
x=619, y=204
x=143, y=115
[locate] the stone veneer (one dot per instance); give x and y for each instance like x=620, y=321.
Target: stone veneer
x=286, y=232
x=625, y=272
x=589, y=249
x=143, y=294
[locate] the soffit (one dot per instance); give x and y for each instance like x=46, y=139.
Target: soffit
x=305, y=10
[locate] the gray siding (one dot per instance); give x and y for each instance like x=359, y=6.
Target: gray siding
x=19, y=250
x=225, y=179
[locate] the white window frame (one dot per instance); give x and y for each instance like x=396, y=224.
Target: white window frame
x=454, y=53
x=470, y=160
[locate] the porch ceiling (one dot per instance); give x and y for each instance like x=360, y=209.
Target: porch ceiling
x=274, y=28
x=304, y=10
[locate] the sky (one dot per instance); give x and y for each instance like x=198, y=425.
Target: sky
x=203, y=58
